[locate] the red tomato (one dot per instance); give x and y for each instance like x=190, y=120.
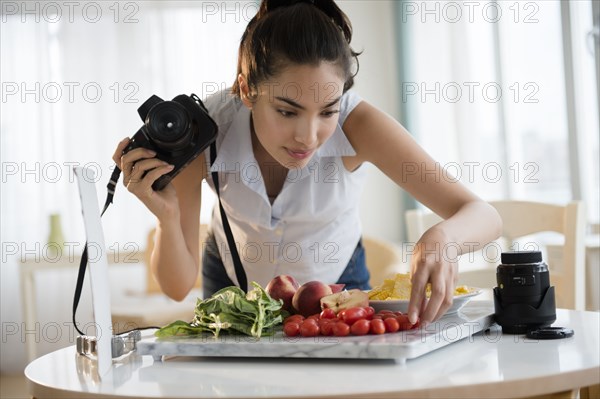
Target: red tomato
x=311, y=320
x=328, y=313
x=340, y=329
x=382, y=312
x=391, y=324
x=370, y=312
x=296, y=318
x=322, y=322
x=377, y=316
x=377, y=326
x=388, y=315
x=403, y=322
x=309, y=329
x=291, y=329
x=327, y=328
x=398, y=313
x=417, y=324
x=314, y=316
x=352, y=315
x=360, y=327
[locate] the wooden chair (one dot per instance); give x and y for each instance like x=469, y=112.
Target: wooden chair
x=524, y=218
x=152, y=307
x=383, y=260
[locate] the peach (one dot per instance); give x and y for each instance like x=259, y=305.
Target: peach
x=307, y=299
x=283, y=287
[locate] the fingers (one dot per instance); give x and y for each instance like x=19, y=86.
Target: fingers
x=441, y=274
x=439, y=302
x=119, y=151
x=132, y=158
x=417, y=298
x=144, y=172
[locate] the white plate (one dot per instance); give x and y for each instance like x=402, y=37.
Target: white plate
x=401, y=305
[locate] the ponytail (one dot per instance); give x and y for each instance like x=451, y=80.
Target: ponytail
x=287, y=32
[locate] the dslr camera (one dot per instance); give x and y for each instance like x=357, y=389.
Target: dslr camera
x=178, y=131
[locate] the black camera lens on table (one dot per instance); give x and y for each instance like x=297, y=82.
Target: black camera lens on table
x=524, y=300
x=178, y=131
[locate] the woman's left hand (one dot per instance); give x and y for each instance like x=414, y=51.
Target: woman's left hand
x=435, y=261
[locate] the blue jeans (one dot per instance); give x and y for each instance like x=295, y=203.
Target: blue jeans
x=214, y=277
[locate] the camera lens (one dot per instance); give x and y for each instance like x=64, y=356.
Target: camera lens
x=168, y=125
x=522, y=277
x=523, y=298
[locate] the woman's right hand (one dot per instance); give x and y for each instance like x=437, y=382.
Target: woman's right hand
x=163, y=204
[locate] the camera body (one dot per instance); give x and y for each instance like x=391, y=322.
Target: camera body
x=523, y=299
x=178, y=131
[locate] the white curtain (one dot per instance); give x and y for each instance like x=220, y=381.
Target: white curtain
x=73, y=76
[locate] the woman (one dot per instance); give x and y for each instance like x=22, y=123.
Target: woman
x=291, y=142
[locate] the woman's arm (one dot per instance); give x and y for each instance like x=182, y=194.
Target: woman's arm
x=176, y=256
x=469, y=222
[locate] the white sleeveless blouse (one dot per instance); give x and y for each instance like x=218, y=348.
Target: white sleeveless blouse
x=311, y=229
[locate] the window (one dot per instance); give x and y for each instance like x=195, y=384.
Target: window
x=504, y=96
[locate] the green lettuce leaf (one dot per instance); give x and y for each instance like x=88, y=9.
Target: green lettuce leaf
x=231, y=310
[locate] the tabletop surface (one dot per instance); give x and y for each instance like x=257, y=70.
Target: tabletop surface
x=486, y=365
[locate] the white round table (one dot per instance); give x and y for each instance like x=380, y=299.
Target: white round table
x=489, y=365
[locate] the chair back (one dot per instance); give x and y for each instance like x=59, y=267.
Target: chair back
x=383, y=260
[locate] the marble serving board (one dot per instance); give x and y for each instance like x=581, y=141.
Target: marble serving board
x=474, y=317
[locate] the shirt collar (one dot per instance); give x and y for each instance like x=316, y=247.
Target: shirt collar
x=235, y=150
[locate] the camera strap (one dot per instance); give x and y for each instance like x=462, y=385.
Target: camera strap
x=240, y=273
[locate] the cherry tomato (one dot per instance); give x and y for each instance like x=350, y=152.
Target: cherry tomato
x=309, y=329
x=391, y=324
x=388, y=315
x=291, y=329
x=417, y=324
x=398, y=313
x=296, y=318
x=377, y=316
x=328, y=313
x=314, y=316
x=382, y=312
x=352, y=315
x=370, y=312
x=341, y=329
x=327, y=328
x=403, y=323
x=360, y=327
x=377, y=326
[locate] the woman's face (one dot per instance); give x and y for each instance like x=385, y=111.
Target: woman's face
x=295, y=112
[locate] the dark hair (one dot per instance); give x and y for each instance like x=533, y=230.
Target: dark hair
x=299, y=32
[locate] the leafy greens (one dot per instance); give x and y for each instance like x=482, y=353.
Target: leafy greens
x=231, y=310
